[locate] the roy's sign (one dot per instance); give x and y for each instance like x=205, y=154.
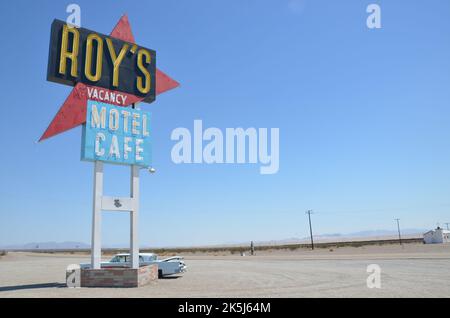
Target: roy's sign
x=109, y=69
x=80, y=55
x=116, y=134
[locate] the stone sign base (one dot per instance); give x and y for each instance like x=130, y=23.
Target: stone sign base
x=118, y=277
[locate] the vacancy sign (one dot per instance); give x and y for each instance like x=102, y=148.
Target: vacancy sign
x=116, y=135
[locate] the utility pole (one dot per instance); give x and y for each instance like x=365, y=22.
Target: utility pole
x=447, y=225
x=310, y=228
x=399, y=234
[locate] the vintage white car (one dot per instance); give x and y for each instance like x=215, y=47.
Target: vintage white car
x=168, y=266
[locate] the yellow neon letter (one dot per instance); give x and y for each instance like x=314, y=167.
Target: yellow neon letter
x=73, y=56
x=140, y=63
x=88, y=63
x=116, y=60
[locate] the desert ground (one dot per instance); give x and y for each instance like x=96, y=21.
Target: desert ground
x=411, y=270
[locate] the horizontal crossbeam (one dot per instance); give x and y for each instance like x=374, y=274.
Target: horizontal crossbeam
x=118, y=204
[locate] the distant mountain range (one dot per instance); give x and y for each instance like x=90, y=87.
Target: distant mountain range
x=372, y=234
x=339, y=237
x=361, y=235
x=47, y=246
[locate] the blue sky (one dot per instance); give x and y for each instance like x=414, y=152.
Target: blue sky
x=363, y=116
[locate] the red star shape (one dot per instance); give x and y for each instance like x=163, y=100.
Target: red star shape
x=73, y=112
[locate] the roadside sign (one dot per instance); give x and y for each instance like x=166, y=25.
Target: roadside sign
x=81, y=55
x=116, y=135
x=92, y=86
x=109, y=73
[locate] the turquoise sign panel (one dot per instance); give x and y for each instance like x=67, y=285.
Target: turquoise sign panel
x=115, y=134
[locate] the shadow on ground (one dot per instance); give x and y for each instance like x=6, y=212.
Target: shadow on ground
x=169, y=277
x=32, y=286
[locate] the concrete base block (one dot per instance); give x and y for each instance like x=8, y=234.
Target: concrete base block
x=118, y=277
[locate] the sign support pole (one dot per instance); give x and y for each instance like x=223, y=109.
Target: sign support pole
x=96, y=252
x=134, y=214
x=130, y=205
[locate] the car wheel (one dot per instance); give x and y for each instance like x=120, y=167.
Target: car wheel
x=160, y=275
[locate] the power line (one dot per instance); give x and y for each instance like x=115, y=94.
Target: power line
x=399, y=234
x=310, y=228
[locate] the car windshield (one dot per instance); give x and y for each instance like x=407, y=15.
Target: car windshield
x=149, y=258
x=119, y=259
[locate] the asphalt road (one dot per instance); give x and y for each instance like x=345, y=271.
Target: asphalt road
x=271, y=275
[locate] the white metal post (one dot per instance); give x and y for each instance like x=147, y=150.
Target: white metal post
x=96, y=250
x=134, y=214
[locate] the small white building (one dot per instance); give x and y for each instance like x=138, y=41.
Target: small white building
x=436, y=236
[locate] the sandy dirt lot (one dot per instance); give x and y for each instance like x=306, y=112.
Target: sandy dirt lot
x=415, y=270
